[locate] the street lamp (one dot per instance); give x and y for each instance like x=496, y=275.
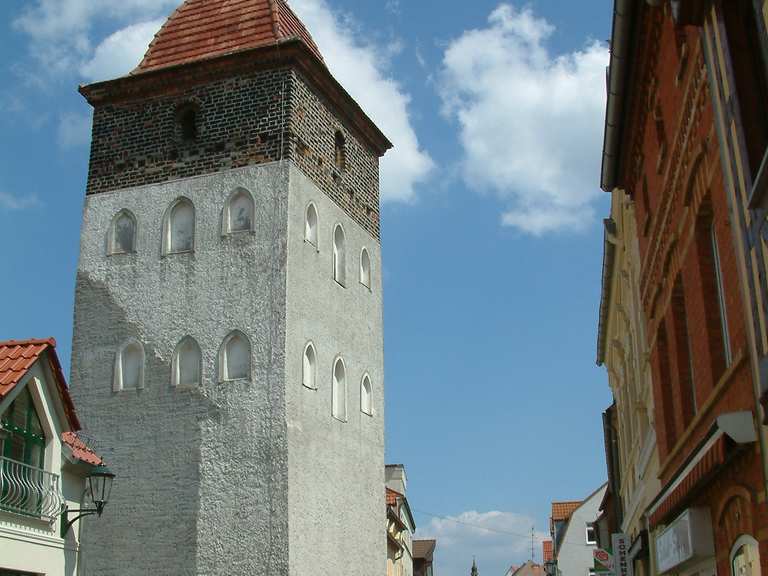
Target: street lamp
x=100, y=486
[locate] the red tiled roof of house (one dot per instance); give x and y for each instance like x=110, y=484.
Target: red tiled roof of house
x=80, y=449
x=202, y=29
x=548, y=551
x=18, y=356
x=563, y=510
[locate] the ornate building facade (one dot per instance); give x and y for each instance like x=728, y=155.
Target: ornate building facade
x=666, y=148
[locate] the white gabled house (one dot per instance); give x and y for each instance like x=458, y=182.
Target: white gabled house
x=44, y=465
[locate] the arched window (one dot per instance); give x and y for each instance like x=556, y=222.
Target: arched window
x=239, y=212
x=310, y=225
x=179, y=227
x=339, y=391
x=129, y=367
x=235, y=358
x=309, y=367
x=745, y=557
x=339, y=255
x=122, y=233
x=366, y=396
x=340, y=146
x=187, y=363
x=365, y=268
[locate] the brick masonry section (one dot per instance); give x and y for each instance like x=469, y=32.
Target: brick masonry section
x=252, y=118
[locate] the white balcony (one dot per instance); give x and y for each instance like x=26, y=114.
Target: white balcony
x=29, y=491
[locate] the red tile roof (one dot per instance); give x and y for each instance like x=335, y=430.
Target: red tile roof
x=80, y=449
x=548, y=551
x=202, y=29
x=18, y=356
x=563, y=510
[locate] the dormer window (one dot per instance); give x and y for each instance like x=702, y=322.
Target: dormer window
x=25, y=442
x=341, y=151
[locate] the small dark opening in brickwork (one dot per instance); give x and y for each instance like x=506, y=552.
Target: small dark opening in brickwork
x=341, y=151
x=188, y=120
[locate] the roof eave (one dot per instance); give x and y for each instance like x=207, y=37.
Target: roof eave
x=618, y=73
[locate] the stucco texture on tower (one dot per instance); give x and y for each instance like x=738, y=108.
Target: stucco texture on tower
x=202, y=471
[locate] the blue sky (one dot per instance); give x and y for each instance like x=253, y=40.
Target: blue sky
x=491, y=230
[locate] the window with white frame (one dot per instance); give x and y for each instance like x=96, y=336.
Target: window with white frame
x=365, y=268
x=310, y=225
x=591, y=534
x=235, y=357
x=122, y=233
x=179, y=227
x=129, y=367
x=339, y=255
x=339, y=391
x=720, y=295
x=745, y=557
x=366, y=396
x=187, y=363
x=238, y=212
x=309, y=367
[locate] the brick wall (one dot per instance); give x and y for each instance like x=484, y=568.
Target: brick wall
x=251, y=118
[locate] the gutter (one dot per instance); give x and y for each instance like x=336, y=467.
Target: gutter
x=609, y=261
x=618, y=72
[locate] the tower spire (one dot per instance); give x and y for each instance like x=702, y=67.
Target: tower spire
x=474, y=567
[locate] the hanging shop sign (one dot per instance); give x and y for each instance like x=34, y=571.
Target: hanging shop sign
x=688, y=537
x=622, y=564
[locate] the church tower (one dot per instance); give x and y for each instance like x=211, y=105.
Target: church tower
x=227, y=348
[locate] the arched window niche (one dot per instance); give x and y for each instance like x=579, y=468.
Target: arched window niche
x=129, y=367
x=239, y=212
x=339, y=255
x=365, y=268
x=366, y=395
x=179, y=227
x=745, y=557
x=122, y=234
x=310, y=225
x=339, y=390
x=235, y=358
x=309, y=367
x=340, y=150
x=187, y=365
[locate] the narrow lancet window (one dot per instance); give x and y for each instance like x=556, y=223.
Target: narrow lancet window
x=341, y=151
x=122, y=234
x=179, y=227
x=235, y=358
x=309, y=367
x=310, y=225
x=339, y=391
x=239, y=212
x=365, y=268
x=129, y=367
x=366, y=396
x=187, y=363
x=339, y=255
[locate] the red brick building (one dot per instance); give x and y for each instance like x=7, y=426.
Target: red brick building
x=663, y=148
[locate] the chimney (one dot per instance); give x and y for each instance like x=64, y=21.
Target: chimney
x=395, y=478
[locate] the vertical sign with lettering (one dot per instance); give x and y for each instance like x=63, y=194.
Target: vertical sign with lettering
x=622, y=565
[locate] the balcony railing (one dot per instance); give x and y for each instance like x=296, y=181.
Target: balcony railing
x=30, y=491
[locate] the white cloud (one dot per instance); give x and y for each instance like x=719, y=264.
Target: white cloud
x=120, y=52
x=497, y=539
x=361, y=67
x=531, y=123
x=11, y=202
x=61, y=31
x=74, y=130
